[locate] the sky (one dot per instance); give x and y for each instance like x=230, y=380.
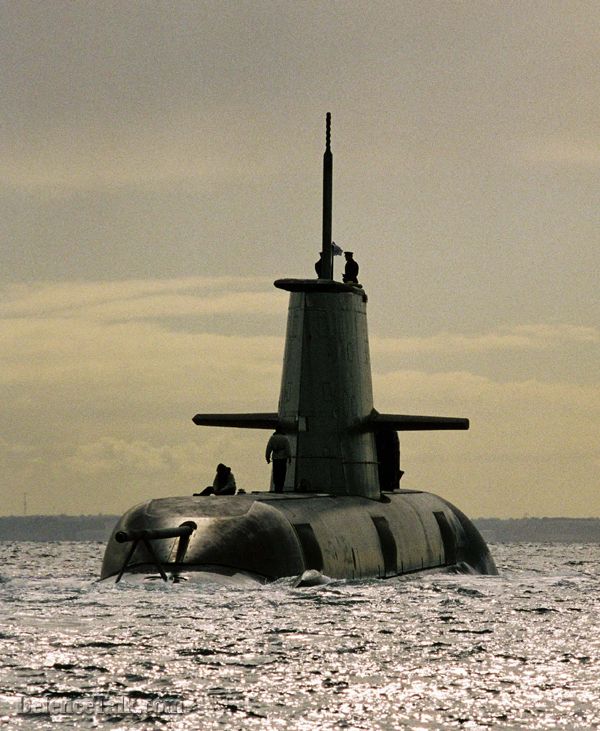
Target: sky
x=161, y=166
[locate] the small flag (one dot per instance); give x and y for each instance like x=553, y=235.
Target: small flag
x=336, y=249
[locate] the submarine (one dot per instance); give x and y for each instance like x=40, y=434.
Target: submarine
x=340, y=511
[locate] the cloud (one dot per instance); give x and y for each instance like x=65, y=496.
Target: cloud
x=523, y=337
x=99, y=391
x=81, y=352
x=15, y=450
x=532, y=446
x=94, y=334
x=567, y=409
x=103, y=299
x=108, y=456
x=149, y=151
x=569, y=151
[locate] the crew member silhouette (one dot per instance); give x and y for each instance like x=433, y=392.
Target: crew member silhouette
x=223, y=484
x=351, y=269
x=278, y=447
x=319, y=265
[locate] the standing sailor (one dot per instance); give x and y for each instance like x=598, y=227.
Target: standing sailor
x=351, y=269
x=279, y=447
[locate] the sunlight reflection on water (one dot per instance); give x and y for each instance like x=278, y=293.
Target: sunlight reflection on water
x=520, y=650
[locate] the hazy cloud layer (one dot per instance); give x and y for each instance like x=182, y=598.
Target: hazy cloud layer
x=519, y=337
x=161, y=166
x=104, y=405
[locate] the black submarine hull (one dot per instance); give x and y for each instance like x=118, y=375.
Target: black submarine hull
x=341, y=512
x=267, y=536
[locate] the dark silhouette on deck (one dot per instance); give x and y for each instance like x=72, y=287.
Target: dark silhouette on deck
x=223, y=484
x=319, y=266
x=351, y=269
x=279, y=452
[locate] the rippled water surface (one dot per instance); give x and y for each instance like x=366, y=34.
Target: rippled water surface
x=521, y=650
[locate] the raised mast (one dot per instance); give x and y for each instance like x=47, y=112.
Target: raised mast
x=327, y=258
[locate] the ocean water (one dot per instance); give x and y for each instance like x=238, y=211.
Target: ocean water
x=435, y=651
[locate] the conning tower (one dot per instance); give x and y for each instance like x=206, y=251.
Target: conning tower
x=326, y=400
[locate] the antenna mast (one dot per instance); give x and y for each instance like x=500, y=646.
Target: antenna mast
x=327, y=259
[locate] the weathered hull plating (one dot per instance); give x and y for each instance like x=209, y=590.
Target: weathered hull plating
x=266, y=537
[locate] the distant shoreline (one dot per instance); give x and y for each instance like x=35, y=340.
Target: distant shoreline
x=494, y=530
x=539, y=530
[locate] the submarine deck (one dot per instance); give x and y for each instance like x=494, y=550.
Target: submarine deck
x=275, y=535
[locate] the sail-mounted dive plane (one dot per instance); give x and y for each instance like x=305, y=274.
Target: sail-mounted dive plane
x=341, y=512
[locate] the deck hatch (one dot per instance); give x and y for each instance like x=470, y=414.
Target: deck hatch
x=388, y=545
x=313, y=558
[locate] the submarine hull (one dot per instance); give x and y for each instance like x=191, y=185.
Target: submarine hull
x=267, y=536
x=342, y=513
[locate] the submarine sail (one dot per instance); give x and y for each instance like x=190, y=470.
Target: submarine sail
x=340, y=510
